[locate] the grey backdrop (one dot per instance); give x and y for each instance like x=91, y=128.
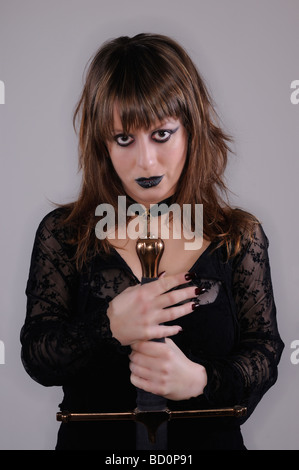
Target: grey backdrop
x=248, y=53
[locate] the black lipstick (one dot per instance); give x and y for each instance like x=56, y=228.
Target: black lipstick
x=149, y=182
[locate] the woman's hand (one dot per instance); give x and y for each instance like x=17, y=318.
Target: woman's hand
x=163, y=369
x=137, y=312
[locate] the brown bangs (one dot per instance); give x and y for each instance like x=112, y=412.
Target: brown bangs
x=145, y=88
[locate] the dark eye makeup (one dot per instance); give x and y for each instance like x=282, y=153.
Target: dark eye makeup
x=163, y=135
x=123, y=140
x=160, y=136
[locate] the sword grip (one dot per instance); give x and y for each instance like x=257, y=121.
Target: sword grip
x=150, y=251
x=145, y=400
x=145, y=280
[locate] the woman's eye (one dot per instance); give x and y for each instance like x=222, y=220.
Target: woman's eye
x=162, y=135
x=123, y=140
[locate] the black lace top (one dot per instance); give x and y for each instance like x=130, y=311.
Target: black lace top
x=66, y=339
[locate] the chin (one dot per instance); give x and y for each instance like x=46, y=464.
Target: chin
x=150, y=195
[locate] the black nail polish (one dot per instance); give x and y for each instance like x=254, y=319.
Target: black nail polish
x=190, y=276
x=200, y=290
x=195, y=305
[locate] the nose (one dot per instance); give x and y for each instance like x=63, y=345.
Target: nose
x=146, y=154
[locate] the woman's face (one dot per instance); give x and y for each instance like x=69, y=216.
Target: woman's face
x=149, y=162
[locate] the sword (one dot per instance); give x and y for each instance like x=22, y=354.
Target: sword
x=151, y=414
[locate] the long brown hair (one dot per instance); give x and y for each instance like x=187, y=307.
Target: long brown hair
x=151, y=77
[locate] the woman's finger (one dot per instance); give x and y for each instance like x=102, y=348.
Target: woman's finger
x=173, y=313
x=166, y=283
x=176, y=296
x=161, y=331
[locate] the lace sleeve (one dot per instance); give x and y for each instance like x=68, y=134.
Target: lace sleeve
x=245, y=376
x=56, y=342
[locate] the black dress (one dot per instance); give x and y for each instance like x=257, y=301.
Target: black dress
x=66, y=340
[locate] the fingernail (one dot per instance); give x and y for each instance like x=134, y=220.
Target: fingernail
x=200, y=290
x=190, y=276
x=161, y=274
x=195, y=305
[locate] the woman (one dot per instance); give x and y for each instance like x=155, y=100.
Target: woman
x=148, y=132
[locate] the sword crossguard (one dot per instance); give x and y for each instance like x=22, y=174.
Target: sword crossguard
x=153, y=419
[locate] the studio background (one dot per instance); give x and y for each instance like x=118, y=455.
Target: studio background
x=247, y=51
